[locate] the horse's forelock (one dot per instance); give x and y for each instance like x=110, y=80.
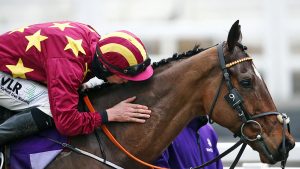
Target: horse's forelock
x=239, y=52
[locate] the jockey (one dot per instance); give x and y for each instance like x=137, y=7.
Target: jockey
x=63, y=56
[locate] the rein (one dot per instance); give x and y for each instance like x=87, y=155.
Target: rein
x=235, y=100
x=85, y=153
x=116, y=143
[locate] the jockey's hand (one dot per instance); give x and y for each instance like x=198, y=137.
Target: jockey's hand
x=125, y=111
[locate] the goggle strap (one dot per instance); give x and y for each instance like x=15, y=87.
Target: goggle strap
x=126, y=70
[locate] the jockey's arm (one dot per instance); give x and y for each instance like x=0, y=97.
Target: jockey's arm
x=64, y=78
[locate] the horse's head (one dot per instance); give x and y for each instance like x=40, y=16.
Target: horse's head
x=248, y=109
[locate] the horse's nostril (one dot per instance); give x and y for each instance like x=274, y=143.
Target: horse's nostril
x=289, y=145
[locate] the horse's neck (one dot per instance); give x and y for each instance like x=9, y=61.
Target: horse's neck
x=185, y=84
x=174, y=95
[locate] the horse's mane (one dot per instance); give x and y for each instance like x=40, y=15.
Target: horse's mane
x=175, y=57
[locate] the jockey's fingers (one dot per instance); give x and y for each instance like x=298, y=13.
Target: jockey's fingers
x=138, y=106
x=143, y=111
x=132, y=110
x=139, y=115
x=129, y=100
x=137, y=120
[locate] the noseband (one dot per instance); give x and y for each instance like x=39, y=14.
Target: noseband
x=235, y=100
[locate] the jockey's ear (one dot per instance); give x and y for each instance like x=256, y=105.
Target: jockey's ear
x=234, y=35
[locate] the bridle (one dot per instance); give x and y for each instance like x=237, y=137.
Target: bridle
x=235, y=100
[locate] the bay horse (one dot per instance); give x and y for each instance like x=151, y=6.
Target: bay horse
x=180, y=90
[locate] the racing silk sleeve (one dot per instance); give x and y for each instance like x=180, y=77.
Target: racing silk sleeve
x=57, y=54
x=64, y=79
x=66, y=67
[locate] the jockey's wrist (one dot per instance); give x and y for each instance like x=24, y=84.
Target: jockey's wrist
x=104, y=117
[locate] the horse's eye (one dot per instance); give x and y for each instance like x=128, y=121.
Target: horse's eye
x=246, y=83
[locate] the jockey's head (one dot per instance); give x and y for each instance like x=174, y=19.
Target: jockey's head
x=123, y=54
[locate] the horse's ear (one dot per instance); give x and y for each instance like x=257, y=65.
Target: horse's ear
x=234, y=35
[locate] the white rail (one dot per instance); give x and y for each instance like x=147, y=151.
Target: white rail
x=250, y=158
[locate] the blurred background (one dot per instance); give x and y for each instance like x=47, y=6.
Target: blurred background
x=271, y=31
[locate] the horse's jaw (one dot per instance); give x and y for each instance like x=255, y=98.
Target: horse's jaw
x=267, y=158
x=270, y=156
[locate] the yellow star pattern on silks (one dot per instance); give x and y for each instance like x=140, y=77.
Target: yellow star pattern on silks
x=19, y=29
x=35, y=40
x=62, y=26
x=19, y=70
x=74, y=45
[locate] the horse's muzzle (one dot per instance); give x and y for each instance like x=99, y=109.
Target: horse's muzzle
x=281, y=155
